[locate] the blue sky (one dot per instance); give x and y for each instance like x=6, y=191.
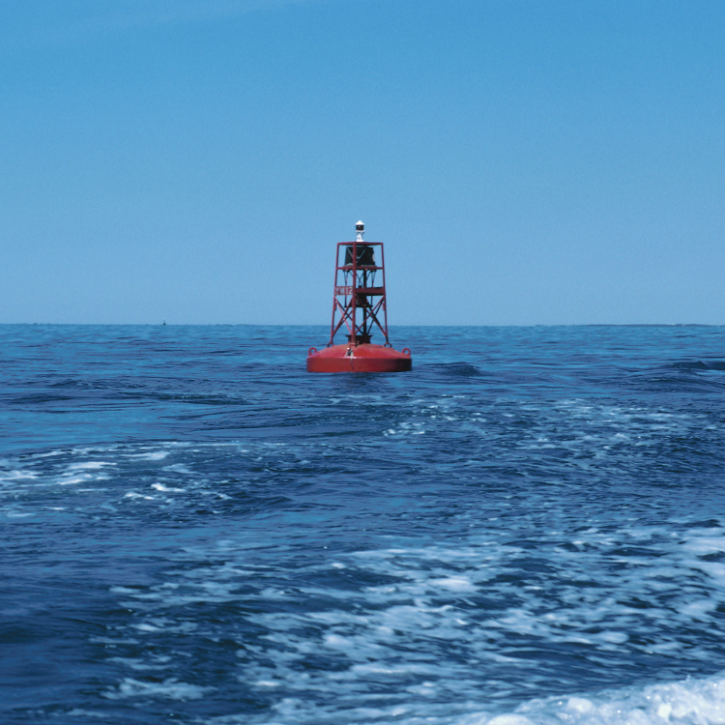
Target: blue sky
x=525, y=162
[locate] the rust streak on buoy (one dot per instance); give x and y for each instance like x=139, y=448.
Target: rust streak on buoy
x=359, y=305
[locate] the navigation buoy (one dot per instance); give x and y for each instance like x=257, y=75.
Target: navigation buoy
x=358, y=303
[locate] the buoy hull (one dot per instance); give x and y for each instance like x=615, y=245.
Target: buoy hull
x=359, y=359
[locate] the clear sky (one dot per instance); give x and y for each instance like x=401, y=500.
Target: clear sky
x=525, y=162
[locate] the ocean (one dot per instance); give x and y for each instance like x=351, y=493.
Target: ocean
x=529, y=527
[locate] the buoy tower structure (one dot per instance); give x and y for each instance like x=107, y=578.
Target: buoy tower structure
x=359, y=308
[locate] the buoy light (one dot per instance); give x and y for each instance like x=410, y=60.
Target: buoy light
x=358, y=304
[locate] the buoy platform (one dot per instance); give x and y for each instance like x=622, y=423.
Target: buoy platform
x=359, y=305
x=358, y=359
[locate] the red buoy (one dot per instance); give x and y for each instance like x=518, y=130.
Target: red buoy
x=358, y=303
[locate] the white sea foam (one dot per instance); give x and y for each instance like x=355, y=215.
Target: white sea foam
x=400, y=607
x=429, y=601
x=690, y=702
x=159, y=663
x=72, y=480
x=166, y=489
x=134, y=495
x=171, y=689
x=696, y=701
x=178, y=468
x=15, y=475
x=90, y=465
x=150, y=456
x=14, y=513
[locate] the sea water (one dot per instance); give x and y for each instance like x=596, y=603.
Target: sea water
x=529, y=527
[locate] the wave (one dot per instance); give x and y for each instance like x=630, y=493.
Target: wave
x=695, y=701
x=690, y=702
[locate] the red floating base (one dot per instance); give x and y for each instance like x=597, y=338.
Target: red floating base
x=360, y=359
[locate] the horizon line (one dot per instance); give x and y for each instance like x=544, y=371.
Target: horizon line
x=299, y=324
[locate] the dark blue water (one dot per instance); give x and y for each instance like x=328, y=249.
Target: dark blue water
x=527, y=528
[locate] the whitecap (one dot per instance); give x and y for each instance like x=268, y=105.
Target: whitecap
x=171, y=689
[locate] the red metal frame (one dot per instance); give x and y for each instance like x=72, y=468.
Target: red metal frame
x=356, y=289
